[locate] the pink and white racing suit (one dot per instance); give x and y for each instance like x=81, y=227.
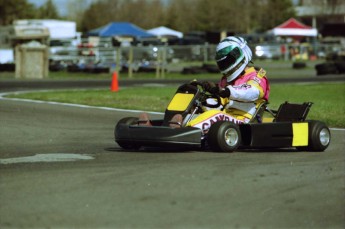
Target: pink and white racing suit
x=245, y=93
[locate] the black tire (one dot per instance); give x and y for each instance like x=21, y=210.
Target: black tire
x=319, y=137
x=340, y=65
x=326, y=68
x=193, y=70
x=211, y=68
x=125, y=144
x=299, y=65
x=224, y=136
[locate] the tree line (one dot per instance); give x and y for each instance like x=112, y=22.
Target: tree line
x=22, y=9
x=237, y=16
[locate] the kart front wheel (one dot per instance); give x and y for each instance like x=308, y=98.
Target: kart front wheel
x=224, y=136
x=125, y=144
x=319, y=137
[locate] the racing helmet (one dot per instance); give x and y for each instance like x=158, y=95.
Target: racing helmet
x=232, y=56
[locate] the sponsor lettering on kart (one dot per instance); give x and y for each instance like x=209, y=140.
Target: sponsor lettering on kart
x=205, y=124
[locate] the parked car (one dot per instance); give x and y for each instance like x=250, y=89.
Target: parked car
x=148, y=53
x=267, y=51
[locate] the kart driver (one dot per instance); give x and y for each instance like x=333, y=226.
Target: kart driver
x=242, y=87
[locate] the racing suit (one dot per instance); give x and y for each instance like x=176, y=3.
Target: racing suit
x=246, y=92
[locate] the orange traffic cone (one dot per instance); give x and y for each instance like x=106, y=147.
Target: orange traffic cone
x=114, y=83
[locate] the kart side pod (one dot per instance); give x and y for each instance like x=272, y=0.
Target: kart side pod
x=307, y=136
x=289, y=129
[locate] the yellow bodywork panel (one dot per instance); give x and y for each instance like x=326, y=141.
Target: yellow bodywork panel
x=267, y=119
x=202, y=117
x=180, y=102
x=300, y=134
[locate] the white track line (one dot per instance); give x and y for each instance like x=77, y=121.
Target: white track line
x=85, y=106
x=2, y=97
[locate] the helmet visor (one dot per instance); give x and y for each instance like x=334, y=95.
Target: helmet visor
x=224, y=61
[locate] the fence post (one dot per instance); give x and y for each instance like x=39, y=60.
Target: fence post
x=130, y=62
x=164, y=61
x=158, y=63
x=205, y=52
x=286, y=54
x=118, y=61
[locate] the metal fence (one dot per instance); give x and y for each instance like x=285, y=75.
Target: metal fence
x=159, y=58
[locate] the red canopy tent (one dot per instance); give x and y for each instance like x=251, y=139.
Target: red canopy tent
x=293, y=28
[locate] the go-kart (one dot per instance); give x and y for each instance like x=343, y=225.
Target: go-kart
x=215, y=130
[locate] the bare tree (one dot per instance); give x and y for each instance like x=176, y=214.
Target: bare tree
x=75, y=11
x=48, y=10
x=15, y=9
x=274, y=12
x=180, y=15
x=239, y=16
x=99, y=13
x=146, y=14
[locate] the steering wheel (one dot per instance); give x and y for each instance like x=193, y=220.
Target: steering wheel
x=208, y=95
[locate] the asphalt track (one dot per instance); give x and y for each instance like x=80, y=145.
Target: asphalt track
x=60, y=168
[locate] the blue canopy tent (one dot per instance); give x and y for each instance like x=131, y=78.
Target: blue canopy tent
x=120, y=29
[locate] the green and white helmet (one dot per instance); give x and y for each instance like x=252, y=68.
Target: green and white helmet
x=232, y=56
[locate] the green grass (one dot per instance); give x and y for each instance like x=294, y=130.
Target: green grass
x=328, y=98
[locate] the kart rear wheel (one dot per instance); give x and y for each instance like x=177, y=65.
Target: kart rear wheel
x=224, y=136
x=319, y=137
x=125, y=144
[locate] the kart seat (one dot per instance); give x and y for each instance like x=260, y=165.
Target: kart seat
x=261, y=106
x=181, y=103
x=290, y=112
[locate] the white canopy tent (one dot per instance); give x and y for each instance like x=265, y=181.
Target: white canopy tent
x=163, y=31
x=292, y=27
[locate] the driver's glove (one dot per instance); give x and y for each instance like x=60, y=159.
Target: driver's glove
x=194, y=82
x=210, y=87
x=224, y=92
